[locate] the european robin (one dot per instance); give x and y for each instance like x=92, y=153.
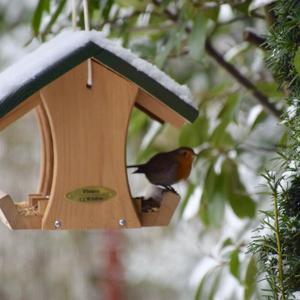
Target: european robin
x=167, y=168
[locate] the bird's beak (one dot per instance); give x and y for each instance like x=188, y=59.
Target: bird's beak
x=195, y=154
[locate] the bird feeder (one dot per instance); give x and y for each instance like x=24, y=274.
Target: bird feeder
x=83, y=178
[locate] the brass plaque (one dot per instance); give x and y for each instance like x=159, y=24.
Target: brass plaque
x=91, y=194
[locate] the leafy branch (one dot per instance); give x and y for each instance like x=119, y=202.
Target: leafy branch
x=262, y=99
x=252, y=37
x=234, y=72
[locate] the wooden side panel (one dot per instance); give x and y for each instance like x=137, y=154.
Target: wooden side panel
x=11, y=217
x=46, y=172
x=42, y=206
x=89, y=130
x=164, y=215
x=161, y=111
x=33, y=199
x=20, y=110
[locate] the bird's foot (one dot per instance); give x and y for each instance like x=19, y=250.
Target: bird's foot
x=170, y=189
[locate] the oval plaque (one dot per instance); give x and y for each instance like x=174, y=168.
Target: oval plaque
x=91, y=194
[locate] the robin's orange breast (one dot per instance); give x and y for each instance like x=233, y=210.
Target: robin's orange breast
x=184, y=167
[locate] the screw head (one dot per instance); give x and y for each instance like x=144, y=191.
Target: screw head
x=57, y=224
x=122, y=222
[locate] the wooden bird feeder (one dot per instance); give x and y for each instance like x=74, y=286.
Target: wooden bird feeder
x=83, y=178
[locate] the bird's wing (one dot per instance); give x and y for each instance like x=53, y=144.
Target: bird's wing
x=161, y=170
x=160, y=163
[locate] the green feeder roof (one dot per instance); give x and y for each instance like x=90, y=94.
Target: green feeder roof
x=69, y=49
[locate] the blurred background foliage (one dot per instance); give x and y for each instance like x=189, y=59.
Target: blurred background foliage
x=217, y=49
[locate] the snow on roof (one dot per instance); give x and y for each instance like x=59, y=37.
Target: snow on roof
x=31, y=65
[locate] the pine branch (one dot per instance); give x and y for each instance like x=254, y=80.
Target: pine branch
x=245, y=82
x=278, y=241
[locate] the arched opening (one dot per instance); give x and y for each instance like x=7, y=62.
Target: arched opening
x=155, y=206
x=20, y=154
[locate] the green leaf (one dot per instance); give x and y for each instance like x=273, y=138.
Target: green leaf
x=136, y=4
x=250, y=279
x=227, y=113
x=240, y=202
x=173, y=41
x=184, y=202
x=219, y=88
x=210, y=280
x=243, y=206
x=47, y=6
x=107, y=8
x=215, y=286
x=220, y=137
x=216, y=205
x=227, y=242
x=43, y=5
x=258, y=120
x=200, y=288
x=54, y=17
x=297, y=61
x=145, y=49
x=212, y=12
x=212, y=203
x=218, y=133
x=138, y=122
x=271, y=89
x=193, y=135
x=283, y=141
x=234, y=264
x=242, y=7
x=205, y=197
x=196, y=39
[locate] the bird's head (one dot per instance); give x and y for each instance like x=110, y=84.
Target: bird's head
x=186, y=153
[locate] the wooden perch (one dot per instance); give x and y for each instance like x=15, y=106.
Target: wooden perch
x=163, y=216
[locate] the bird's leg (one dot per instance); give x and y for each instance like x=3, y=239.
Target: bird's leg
x=166, y=187
x=170, y=188
x=173, y=190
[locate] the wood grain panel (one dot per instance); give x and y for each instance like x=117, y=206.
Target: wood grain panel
x=161, y=111
x=89, y=130
x=25, y=107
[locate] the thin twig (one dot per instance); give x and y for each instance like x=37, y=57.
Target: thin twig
x=250, y=36
x=250, y=147
x=173, y=16
x=117, y=19
x=262, y=99
x=147, y=28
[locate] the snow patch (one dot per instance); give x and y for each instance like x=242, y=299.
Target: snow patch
x=30, y=66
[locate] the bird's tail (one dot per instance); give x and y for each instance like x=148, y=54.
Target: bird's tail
x=133, y=166
x=139, y=168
